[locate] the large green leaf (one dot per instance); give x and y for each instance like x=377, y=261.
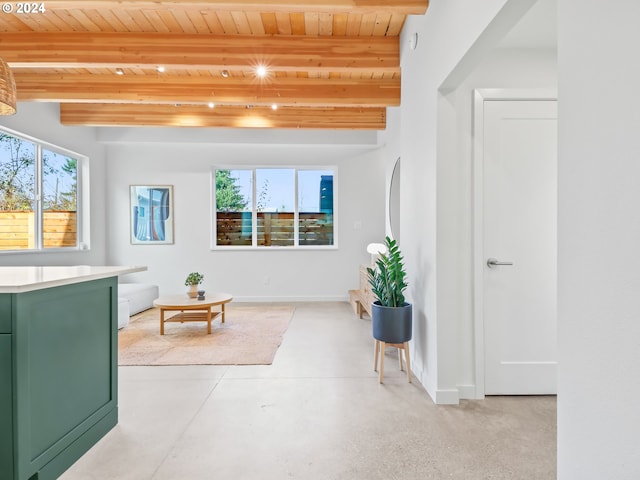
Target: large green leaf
x=387, y=279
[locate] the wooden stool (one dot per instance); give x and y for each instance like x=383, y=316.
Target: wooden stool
x=378, y=350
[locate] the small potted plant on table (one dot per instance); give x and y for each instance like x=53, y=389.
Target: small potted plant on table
x=193, y=280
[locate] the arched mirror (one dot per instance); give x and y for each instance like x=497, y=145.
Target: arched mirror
x=394, y=202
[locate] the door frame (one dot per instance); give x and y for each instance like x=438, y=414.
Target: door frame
x=479, y=97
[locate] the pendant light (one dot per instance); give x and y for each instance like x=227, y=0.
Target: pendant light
x=7, y=90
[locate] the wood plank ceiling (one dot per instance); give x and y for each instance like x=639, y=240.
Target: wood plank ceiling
x=329, y=63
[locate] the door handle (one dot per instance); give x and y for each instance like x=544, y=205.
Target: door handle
x=492, y=263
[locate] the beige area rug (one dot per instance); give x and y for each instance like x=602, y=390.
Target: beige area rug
x=250, y=335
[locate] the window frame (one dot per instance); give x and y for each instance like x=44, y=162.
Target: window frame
x=254, y=208
x=82, y=197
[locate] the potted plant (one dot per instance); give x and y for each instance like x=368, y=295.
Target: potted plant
x=193, y=280
x=391, y=315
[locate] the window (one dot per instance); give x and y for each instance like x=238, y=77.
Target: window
x=39, y=195
x=274, y=207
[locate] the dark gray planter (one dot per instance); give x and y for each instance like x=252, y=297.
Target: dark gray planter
x=392, y=324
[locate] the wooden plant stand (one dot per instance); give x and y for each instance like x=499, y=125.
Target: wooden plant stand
x=378, y=349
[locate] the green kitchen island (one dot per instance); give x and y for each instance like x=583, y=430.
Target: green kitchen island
x=58, y=365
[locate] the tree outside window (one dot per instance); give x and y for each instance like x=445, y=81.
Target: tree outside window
x=38, y=196
x=234, y=219
x=17, y=173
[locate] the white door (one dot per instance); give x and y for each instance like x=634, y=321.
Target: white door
x=519, y=230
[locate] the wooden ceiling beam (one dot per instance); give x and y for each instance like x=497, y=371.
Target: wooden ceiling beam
x=281, y=53
x=84, y=88
x=406, y=7
x=74, y=114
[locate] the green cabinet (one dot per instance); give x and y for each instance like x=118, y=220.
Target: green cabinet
x=58, y=376
x=5, y=313
x=6, y=409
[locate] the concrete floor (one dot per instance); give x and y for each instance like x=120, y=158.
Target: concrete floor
x=317, y=413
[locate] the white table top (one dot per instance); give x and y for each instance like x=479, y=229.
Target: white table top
x=183, y=301
x=26, y=279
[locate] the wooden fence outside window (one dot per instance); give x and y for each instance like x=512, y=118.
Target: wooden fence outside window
x=274, y=228
x=17, y=229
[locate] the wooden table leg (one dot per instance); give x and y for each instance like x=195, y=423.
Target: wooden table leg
x=382, y=348
x=222, y=313
x=209, y=320
x=162, y=321
x=376, y=348
x=408, y=361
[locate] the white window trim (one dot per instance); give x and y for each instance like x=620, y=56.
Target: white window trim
x=82, y=200
x=254, y=211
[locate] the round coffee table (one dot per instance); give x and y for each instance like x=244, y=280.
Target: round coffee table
x=192, y=309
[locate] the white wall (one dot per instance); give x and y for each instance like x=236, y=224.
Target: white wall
x=270, y=274
x=453, y=38
x=599, y=239
x=42, y=121
x=390, y=153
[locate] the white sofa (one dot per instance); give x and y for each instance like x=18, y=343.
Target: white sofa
x=134, y=298
x=123, y=312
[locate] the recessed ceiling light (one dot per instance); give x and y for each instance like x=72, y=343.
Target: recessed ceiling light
x=274, y=107
x=211, y=105
x=160, y=69
x=225, y=73
x=261, y=71
x=119, y=71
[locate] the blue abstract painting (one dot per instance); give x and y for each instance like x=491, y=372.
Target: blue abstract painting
x=151, y=214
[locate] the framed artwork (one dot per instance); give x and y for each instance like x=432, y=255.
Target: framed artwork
x=151, y=214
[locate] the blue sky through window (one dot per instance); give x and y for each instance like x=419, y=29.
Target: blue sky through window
x=275, y=188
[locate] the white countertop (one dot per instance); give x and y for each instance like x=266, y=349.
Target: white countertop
x=25, y=279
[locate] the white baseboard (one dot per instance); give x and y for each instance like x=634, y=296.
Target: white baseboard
x=467, y=392
x=337, y=298
x=424, y=380
x=447, y=397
